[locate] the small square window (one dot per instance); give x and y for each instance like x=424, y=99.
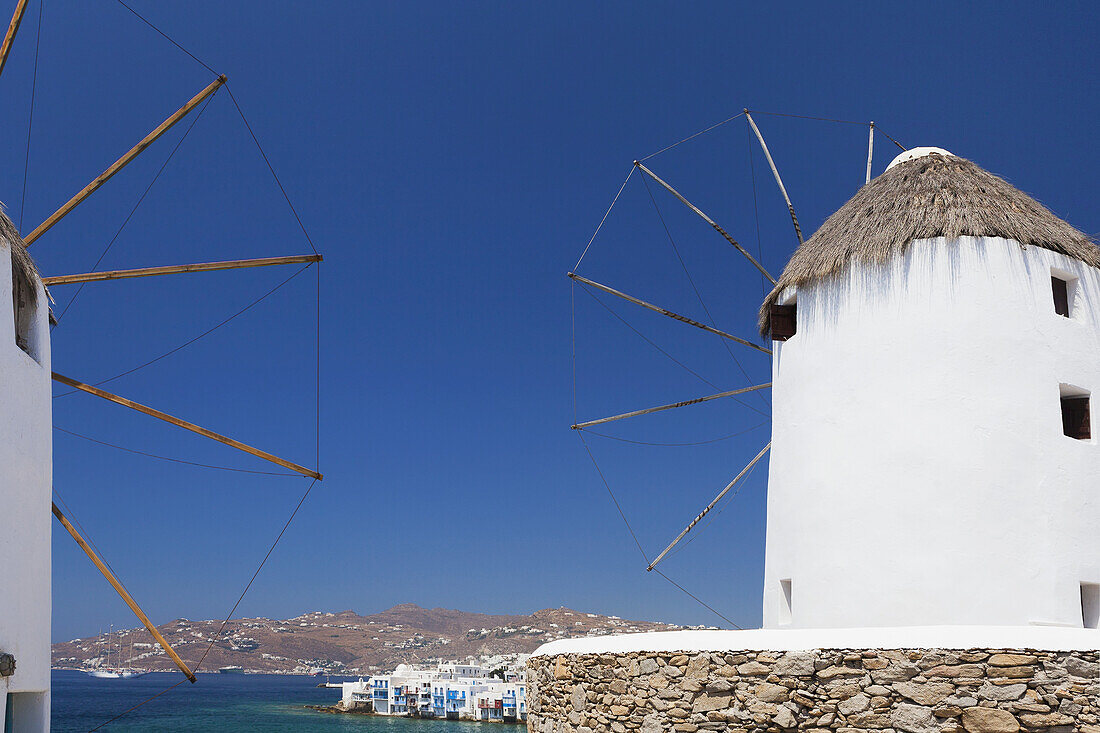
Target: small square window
x=1061, y=295
x=1090, y=605
x=785, y=606
x=784, y=319
x=1063, y=288
x=1076, y=409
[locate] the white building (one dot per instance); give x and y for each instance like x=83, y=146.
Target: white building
x=26, y=477
x=933, y=461
x=450, y=690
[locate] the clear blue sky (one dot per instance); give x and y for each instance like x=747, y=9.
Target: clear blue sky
x=451, y=161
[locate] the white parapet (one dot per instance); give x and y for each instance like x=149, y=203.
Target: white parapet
x=787, y=640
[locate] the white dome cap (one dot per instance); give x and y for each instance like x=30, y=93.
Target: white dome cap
x=912, y=153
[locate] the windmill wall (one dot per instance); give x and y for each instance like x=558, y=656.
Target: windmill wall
x=920, y=474
x=576, y=688
x=25, y=502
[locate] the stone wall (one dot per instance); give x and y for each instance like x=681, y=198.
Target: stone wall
x=915, y=691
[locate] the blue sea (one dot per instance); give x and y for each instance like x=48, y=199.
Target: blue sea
x=223, y=702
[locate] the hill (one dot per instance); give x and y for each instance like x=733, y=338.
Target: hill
x=346, y=642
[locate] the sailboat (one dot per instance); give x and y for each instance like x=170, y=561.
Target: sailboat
x=106, y=672
x=130, y=671
x=118, y=672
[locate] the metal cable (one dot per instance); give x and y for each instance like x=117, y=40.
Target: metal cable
x=270, y=168
x=630, y=529
x=606, y=214
x=30, y=117
x=138, y=204
x=255, y=574
x=690, y=137
x=755, y=205
x=674, y=445
x=171, y=40
x=681, y=364
x=129, y=710
x=187, y=343
x=700, y=601
x=895, y=142
x=711, y=516
x=174, y=460
x=809, y=117
x=694, y=287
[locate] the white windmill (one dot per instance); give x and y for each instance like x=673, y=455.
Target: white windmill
x=934, y=348
x=26, y=439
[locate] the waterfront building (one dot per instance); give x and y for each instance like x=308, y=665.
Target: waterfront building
x=449, y=690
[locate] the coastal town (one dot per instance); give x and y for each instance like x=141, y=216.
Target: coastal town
x=490, y=689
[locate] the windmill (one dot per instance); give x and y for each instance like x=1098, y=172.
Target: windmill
x=26, y=456
x=933, y=354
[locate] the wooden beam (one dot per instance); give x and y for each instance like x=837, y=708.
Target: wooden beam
x=685, y=403
x=710, y=506
x=124, y=594
x=13, y=28
x=88, y=277
x=870, y=149
x=775, y=173
x=124, y=160
x=186, y=425
x=663, y=312
x=707, y=219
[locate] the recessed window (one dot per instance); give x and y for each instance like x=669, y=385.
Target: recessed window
x=1063, y=287
x=785, y=606
x=1076, y=409
x=22, y=298
x=1090, y=605
x=784, y=320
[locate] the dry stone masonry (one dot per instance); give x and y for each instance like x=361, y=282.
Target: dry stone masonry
x=850, y=691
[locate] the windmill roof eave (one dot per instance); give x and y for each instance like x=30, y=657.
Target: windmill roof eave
x=20, y=258
x=934, y=195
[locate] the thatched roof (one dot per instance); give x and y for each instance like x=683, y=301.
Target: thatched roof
x=930, y=196
x=20, y=259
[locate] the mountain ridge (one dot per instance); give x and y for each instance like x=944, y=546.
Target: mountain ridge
x=345, y=642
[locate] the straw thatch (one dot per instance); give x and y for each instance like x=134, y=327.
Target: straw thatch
x=930, y=196
x=19, y=257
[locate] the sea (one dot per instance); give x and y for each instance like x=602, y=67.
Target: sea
x=233, y=703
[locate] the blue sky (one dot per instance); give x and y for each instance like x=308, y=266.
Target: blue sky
x=451, y=162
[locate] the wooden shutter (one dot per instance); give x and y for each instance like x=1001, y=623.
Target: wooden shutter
x=1061, y=296
x=1075, y=418
x=784, y=321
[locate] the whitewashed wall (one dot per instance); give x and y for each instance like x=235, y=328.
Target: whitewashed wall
x=25, y=518
x=919, y=474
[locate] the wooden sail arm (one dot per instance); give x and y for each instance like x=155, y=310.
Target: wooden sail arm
x=124, y=160
x=705, y=218
x=186, y=426
x=870, y=149
x=102, y=567
x=88, y=277
x=13, y=28
x=775, y=173
x=710, y=506
x=664, y=312
x=660, y=408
